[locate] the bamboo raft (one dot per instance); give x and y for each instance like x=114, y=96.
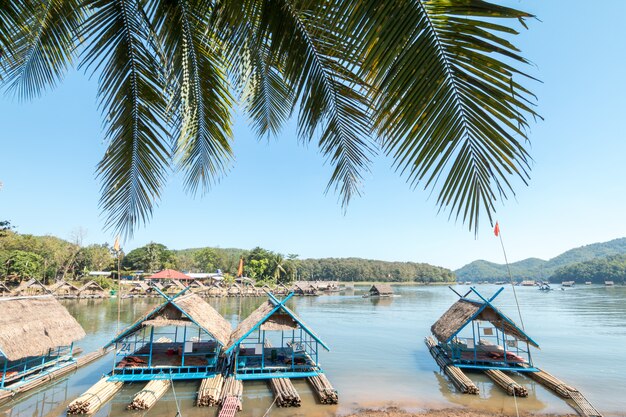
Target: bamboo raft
x=94, y=397
x=324, y=390
x=506, y=383
x=36, y=382
x=150, y=394
x=285, y=393
x=458, y=378
x=210, y=391
x=232, y=388
x=581, y=404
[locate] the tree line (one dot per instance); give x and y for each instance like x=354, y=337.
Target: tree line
x=49, y=258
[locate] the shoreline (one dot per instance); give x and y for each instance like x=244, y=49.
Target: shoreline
x=394, y=411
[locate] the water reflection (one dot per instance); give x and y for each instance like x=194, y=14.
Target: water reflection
x=377, y=352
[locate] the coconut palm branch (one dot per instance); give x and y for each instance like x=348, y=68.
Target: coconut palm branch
x=437, y=85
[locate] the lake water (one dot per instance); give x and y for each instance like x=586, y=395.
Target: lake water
x=378, y=356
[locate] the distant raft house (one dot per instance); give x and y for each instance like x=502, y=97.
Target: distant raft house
x=273, y=342
x=381, y=290
x=180, y=339
x=475, y=334
x=37, y=335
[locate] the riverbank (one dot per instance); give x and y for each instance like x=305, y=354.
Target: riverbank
x=447, y=412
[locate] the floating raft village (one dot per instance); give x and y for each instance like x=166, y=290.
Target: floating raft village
x=185, y=338
x=474, y=335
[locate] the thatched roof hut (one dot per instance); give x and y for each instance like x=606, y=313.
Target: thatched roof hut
x=31, y=287
x=281, y=289
x=31, y=326
x=303, y=288
x=381, y=290
x=92, y=290
x=464, y=311
x=270, y=316
x=235, y=289
x=215, y=290
x=63, y=288
x=182, y=311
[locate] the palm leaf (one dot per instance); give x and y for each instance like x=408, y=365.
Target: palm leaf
x=304, y=38
x=202, y=103
x=132, y=96
x=448, y=97
x=42, y=47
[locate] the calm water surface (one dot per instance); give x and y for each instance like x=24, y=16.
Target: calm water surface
x=378, y=356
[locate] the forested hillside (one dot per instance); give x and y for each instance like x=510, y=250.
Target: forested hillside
x=538, y=269
x=611, y=268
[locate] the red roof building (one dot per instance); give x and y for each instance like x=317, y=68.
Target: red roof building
x=170, y=274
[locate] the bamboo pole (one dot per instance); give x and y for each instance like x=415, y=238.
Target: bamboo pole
x=150, y=394
x=285, y=393
x=458, y=378
x=505, y=382
x=101, y=392
x=232, y=388
x=324, y=390
x=210, y=391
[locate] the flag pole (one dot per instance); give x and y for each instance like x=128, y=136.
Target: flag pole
x=498, y=233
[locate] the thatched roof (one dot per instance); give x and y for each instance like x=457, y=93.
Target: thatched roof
x=30, y=326
x=381, y=289
x=182, y=311
x=91, y=285
x=198, y=284
x=60, y=284
x=461, y=313
x=266, y=318
x=29, y=284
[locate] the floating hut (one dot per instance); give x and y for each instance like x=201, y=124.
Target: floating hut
x=381, y=290
x=63, y=289
x=92, y=290
x=139, y=289
x=609, y=283
x=281, y=289
x=273, y=342
x=180, y=339
x=173, y=287
x=37, y=335
x=197, y=285
x=568, y=283
x=215, y=290
x=235, y=290
x=304, y=288
x=4, y=290
x=31, y=287
x=475, y=334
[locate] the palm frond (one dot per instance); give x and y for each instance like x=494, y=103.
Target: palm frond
x=448, y=97
x=306, y=38
x=132, y=97
x=202, y=102
x=42, y=47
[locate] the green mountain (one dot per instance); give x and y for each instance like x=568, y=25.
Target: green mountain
x=534, y=268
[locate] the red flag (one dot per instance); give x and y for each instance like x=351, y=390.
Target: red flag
x=496, y=230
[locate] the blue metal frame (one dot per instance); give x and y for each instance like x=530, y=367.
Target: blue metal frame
x=34, y=366
x=455, y=351
x=148, y=372
x=306, y=340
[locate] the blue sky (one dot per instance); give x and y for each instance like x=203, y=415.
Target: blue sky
x=274, y=194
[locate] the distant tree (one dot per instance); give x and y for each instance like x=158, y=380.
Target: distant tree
x=5, y=226
x=96, y=257
x=206, y=259
x=22, y=265
x=150, y=258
